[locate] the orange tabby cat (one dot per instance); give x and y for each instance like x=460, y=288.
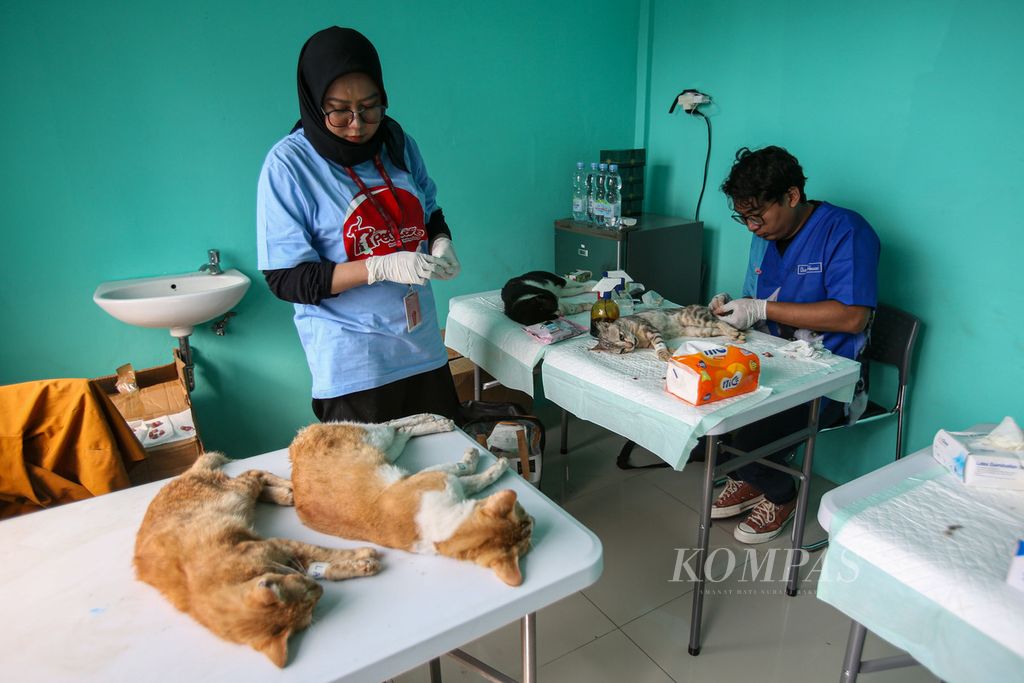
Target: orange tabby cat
x=197, y=546
x=346, y=485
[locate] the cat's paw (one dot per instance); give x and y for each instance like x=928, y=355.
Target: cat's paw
x=365, y=553
x=367, y=567
x=664, y=354
x=284, y=495
x=470, y=459
x=498, y=468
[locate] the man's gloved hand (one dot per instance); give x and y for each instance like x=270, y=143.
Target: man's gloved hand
x=445, y=251
x=743, y=313
x=719, y=300
x=404, y=267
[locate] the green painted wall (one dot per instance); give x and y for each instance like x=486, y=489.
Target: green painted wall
x=908, y=112
x=135, y=132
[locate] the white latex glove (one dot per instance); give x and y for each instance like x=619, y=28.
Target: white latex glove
x=719, y=300
x=445, y=250
x=743, y=313
x=405, y=267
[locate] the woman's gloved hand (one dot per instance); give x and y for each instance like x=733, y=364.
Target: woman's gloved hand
x=719, y=300
x=404, y=267
x=744, y=313
x=445, y=251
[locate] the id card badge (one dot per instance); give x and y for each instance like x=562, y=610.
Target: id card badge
x=413, y=318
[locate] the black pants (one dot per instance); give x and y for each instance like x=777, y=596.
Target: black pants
x=778, y=487
x=428, y=392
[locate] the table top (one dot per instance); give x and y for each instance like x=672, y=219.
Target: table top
x=72, y=608
x=912, y=534
x=626, y=393
x=595, y=387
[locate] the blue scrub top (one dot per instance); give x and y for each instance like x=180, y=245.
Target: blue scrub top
x=833, y=256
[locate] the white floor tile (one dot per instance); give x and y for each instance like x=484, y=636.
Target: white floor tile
x=611, y=659
x=754, y=631
x=561, y=628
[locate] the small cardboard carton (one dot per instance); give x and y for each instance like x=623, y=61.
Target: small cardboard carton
x=972, y=459
x=156, y=405
x=713, y=373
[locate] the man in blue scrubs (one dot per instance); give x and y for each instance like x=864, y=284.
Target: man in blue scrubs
x=811, y=275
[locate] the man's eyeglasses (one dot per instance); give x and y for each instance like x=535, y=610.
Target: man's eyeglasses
x=342, y=118
x=756, y=220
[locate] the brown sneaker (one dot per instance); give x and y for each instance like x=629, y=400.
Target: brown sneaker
x=736, y=497
x=765, y=522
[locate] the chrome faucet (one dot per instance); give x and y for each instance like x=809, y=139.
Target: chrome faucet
x=213, y=265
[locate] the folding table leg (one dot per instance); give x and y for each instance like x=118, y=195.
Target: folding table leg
x=854, y=650
x=797, y=536
x=564, y=445
x=528, y=630
x=703, y=538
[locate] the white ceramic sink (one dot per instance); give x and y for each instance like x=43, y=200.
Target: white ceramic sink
x=175, y=302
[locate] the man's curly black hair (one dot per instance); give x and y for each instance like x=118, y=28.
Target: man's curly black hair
x=763, y=176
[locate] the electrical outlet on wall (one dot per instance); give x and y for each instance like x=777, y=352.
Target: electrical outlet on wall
x=689, y=100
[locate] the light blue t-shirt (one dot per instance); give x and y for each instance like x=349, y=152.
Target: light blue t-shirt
x=309, y=209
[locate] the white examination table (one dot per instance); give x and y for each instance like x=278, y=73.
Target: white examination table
x=72, y=609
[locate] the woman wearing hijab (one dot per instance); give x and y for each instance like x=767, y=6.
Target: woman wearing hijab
x=350, y=232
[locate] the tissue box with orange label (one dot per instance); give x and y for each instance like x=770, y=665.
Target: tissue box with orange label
x=712, y=374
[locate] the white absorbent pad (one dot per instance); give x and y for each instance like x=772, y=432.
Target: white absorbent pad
x=626, y=392
x=478, y=328
x=940, y=550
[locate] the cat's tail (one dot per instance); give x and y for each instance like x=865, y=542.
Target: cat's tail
x=211, y=460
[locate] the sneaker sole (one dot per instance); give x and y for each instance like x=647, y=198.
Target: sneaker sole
x=733, y=510
x=753, y=539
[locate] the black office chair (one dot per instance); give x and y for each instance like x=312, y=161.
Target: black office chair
x=893, y=334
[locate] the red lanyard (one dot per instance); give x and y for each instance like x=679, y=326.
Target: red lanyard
x=388, y=218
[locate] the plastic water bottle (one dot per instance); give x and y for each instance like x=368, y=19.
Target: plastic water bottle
x=579, y=193
x=591, y=188
x=622, y=300
x=599, y=198
x=613, y=195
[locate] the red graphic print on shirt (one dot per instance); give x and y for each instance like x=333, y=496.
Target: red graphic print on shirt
x=366, y=232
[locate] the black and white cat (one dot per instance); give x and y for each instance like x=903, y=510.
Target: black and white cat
x=534, y=297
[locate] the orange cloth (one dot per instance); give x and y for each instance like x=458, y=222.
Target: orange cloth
x=60, y=440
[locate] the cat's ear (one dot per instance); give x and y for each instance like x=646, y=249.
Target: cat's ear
x=276, y=648
x=265, y=592
x=506, y=568
x=500, y=504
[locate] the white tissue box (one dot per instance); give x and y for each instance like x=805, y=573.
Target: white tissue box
x=977, y=464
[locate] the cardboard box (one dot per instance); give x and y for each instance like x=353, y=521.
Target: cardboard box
x=976, y=464
x=161, y=392
x=712, y=374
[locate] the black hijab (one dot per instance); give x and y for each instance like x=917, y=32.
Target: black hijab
x=328, y=54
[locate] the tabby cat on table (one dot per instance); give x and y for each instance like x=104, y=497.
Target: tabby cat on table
x=649, y=329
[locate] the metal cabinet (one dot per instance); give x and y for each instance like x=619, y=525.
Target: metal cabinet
x=662, y=252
